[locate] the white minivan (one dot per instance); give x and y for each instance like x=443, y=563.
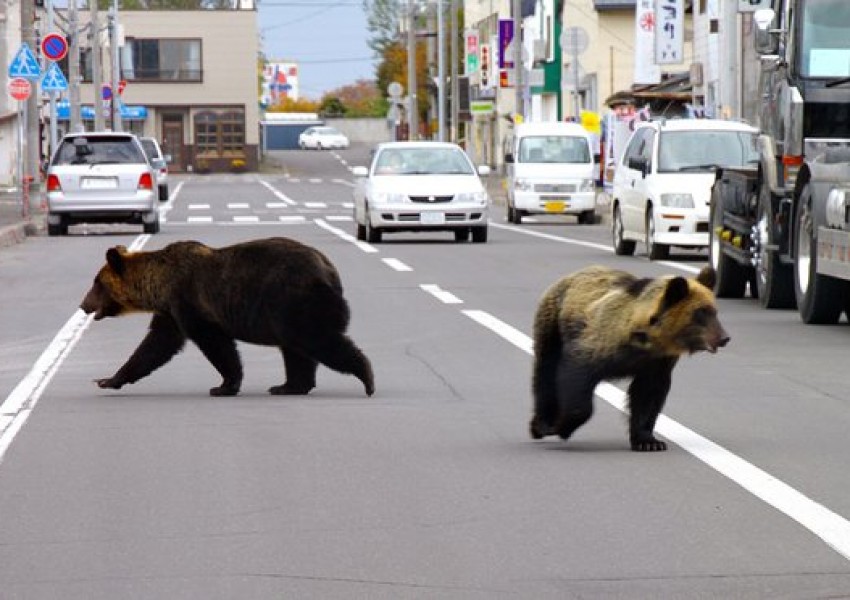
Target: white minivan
x=550, y=169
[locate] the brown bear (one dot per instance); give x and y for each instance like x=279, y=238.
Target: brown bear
x=601, y=323
x=272, y=292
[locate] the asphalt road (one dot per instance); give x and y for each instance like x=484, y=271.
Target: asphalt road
x=431, y=488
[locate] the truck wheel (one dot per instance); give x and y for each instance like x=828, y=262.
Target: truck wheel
x=654, y=250
x=774, y=281
x=820, y=298
x=622, y=247
x=731, y=280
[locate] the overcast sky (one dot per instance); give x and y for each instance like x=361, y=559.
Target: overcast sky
x=327, y=38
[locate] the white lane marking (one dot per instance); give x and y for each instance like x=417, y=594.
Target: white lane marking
x=169, y=204
x=276, y=205
x=316, y=204
x=347, y=218
x=441, y=294
x=198, y=207
x=199, y=219
x=18, y=405
x=343, y=182
x=291, y=219
x=396, y=264
x=280, y=195
x=348, y=204
x=368, y=248
x=829, y=526
x=315, y=180
x=595, y=246
x=246, y=219
x=237, y=205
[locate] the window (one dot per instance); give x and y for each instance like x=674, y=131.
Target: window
x=162, y=60
x=220, y=133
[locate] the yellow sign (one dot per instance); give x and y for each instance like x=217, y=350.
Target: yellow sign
x=591, y=121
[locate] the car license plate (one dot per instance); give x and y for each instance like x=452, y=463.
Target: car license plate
x=99, y=183
x=432, y=218
x=555, y=206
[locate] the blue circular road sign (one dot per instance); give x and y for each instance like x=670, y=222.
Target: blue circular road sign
x=54, y=46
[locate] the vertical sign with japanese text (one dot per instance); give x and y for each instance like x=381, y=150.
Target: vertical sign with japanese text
x=669, y=32
x=646, y=69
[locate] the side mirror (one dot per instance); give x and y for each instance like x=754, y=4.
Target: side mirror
x=509, y=157
x=360, y=172
x=483, y=170
x=167, y=158
x=638, y=163
x=766, y=39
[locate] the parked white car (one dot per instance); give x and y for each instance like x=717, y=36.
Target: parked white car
x=662, y=184
x=159, y=161
x=320, y=137
x=421, y=186
x=100, y=177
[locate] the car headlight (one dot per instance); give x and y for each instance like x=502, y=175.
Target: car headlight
x=677, y=200
x=472, y=198
x=388, y=198
x=523, y=185
x=587, y=185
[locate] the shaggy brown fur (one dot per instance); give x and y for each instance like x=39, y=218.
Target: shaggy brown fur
x=273, y=292
x=601, y=323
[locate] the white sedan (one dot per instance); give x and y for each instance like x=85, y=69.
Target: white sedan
x=319, y=138
x=421, y=186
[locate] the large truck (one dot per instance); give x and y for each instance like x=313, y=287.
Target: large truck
x=782, y=227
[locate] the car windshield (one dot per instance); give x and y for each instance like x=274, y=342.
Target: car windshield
x=325, y=131
x=696, y=151
x=422, y=161
x=94, y=150
x=553, y=149
x=825, y=47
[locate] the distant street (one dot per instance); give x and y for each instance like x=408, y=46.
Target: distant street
x=431, y=488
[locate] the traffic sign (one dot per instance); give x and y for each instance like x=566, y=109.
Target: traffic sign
x=54, y=80
x=24, y=64
x=54, y=46
x=19, y=88
x=106, y=91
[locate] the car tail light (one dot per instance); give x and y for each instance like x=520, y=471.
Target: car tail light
x=53, y=184
x=145, y=182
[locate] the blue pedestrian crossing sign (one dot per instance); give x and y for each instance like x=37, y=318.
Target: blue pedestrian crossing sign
x=54, y=80
x=24, y=64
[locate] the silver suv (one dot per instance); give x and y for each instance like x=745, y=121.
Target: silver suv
x=101, y=177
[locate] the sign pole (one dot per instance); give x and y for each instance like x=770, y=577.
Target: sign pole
x=54, y=133
x=20, y=173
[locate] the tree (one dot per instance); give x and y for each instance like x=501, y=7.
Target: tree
x=382, y=20
x=360, y=99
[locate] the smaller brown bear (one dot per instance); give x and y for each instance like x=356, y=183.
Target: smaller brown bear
x=272, y=292
x=601, y=323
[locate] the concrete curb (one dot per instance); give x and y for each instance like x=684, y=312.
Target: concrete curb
x=17, y=233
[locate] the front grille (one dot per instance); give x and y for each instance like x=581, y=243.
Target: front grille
x=555, y=188
x=431, y=199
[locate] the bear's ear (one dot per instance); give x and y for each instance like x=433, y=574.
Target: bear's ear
x=115, y=260
x=708, y=277
x=676, y=291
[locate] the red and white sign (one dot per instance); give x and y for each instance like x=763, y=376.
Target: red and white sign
x=19, y=88
x=121, y=85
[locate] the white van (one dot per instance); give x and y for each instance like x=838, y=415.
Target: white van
x=550, y=169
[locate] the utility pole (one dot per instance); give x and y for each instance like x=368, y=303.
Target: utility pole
x=74, y=79
x=116, y=66
x=441, y=72
x=516, y=9
x=454, y=131
x=96, y=64
x=413, y=112
x=31, y=117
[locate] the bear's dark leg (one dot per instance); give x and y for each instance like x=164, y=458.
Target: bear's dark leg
x=338, y=352
x=544, y=385
x=300, y=374
x=220, y=350
x=575, y=397
x=163, y=340
x=647, y=394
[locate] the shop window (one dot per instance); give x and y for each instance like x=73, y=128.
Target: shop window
x=220, y=133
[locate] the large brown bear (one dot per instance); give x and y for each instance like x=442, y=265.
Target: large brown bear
x=273, y=292
x=600, y=323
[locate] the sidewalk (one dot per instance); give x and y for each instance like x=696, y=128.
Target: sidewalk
x=14, y=227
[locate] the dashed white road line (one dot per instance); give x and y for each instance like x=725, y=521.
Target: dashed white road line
x=396, y=264
x=368, y=248
x=441, y=294
x=280, y=195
